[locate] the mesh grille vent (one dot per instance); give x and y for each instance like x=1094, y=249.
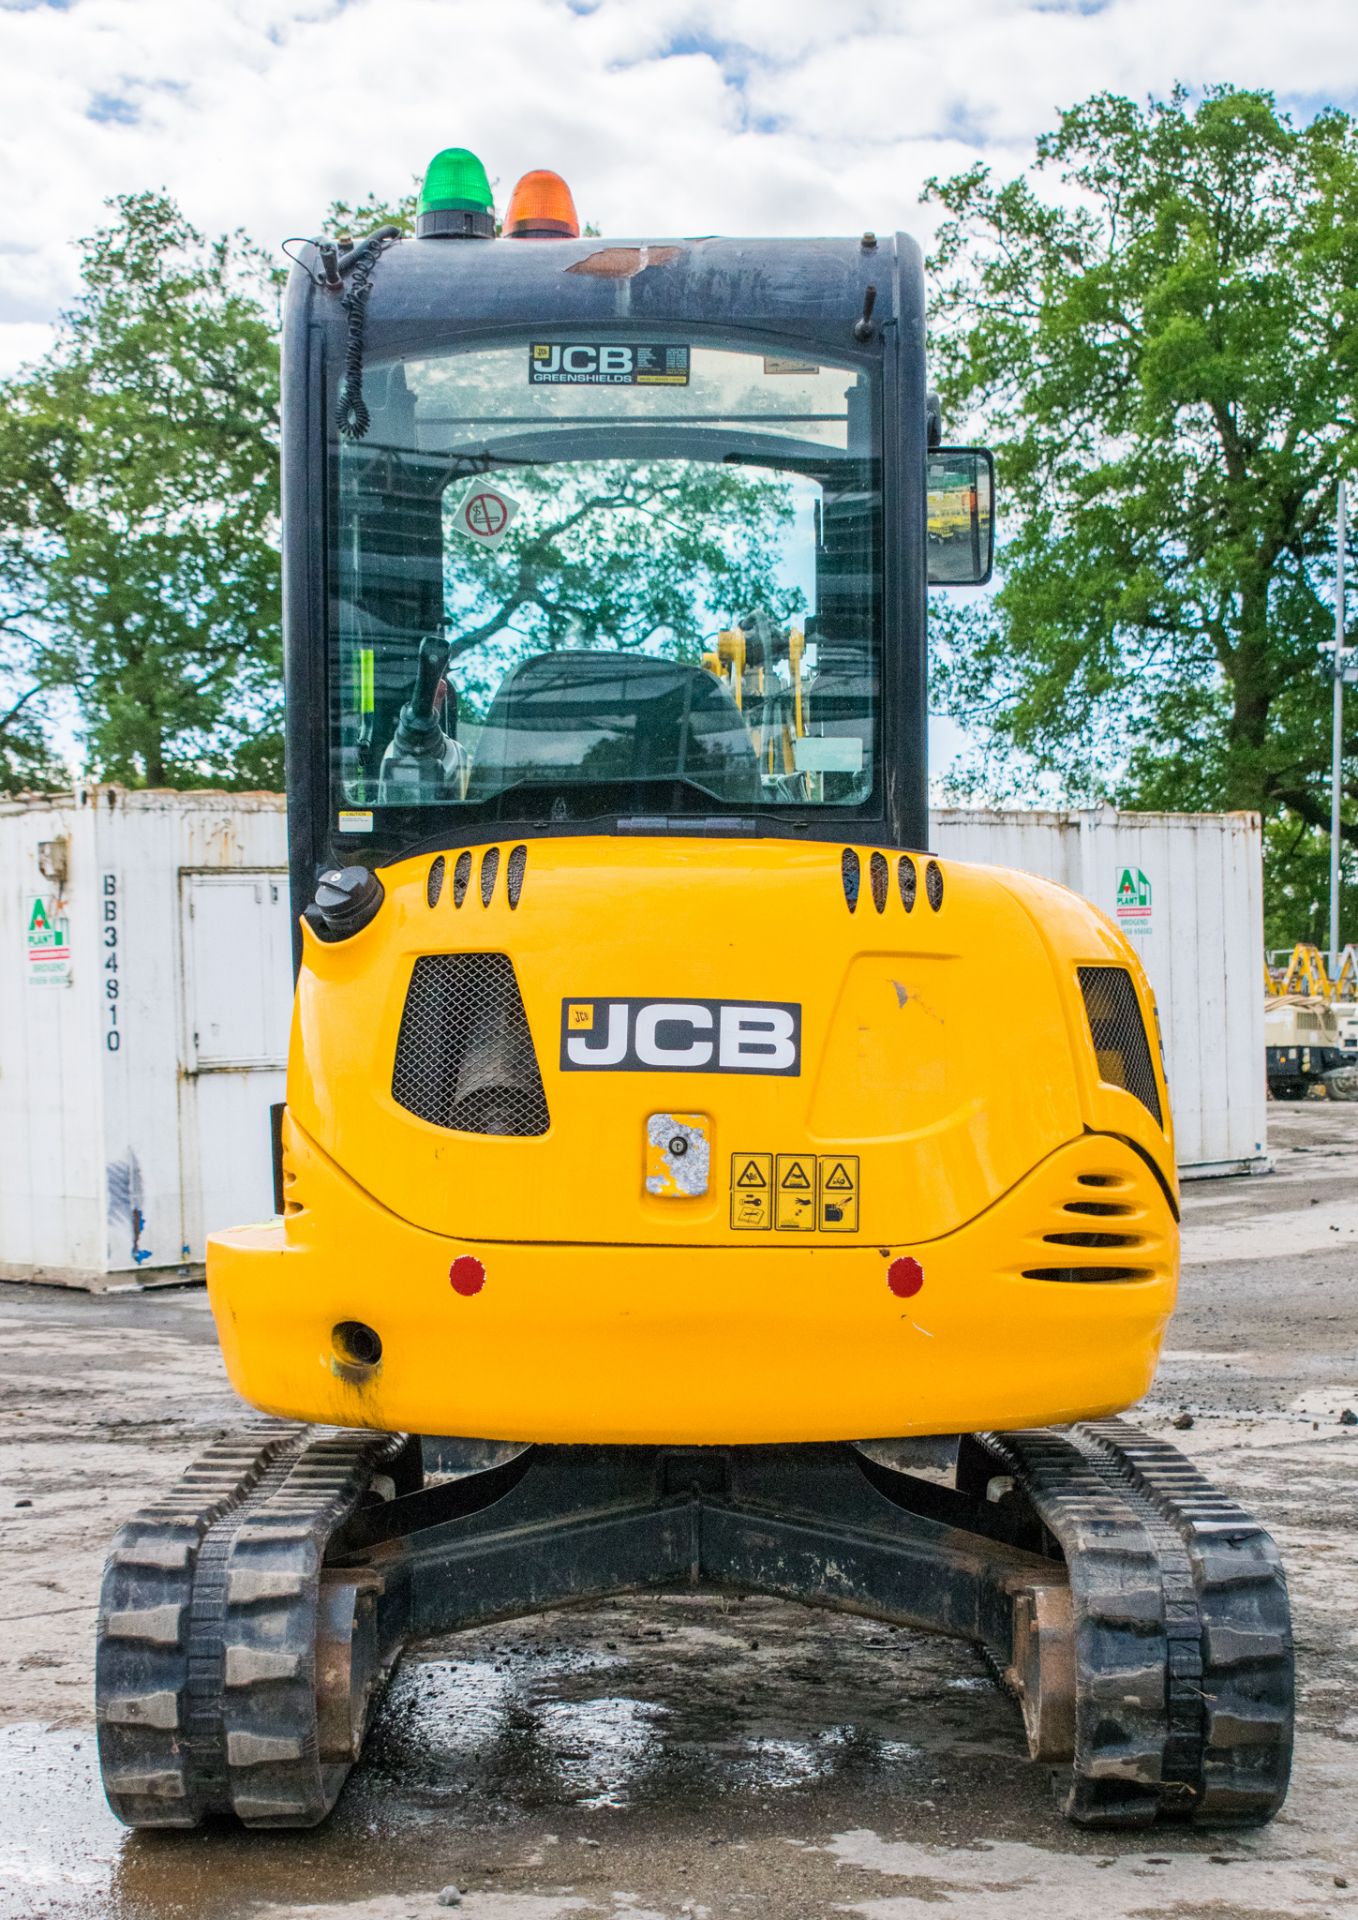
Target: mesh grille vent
x=462, y=874
x=877, y=869
x=433, y=886
x=1119, y=1035
x=514, y=872
x=464, y=1056
x=849, y=874
x=933, y=884
x=908, y=882
x=490, y=866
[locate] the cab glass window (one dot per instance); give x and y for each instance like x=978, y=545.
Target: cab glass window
x=583, y=577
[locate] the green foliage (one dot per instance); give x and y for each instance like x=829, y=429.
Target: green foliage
x=1163, y=350
x=139, y=506
x=1297, y=893
x=139, y=530
x=27, y=762
x=355, y=218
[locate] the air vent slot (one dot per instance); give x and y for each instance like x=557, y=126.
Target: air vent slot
x=878, y=880
x=908, y=881
x=464, y=1055
x=1095, y=1206
x=1087, y=1276
x=515, y=868
x=933, y=885
x=850, y=874
x=462, y=878
x=433, y=886
x=490, y=866
x=1119, y=1035
x=1092, y=1239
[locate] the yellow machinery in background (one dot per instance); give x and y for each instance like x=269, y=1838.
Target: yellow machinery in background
x=638, y=1115
x=1310, y=1019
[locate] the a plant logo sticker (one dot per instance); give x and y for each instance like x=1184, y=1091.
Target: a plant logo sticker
x=1133, y=905
x=48, y=943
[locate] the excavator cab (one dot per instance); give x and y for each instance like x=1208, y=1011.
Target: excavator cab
x=638, y=1117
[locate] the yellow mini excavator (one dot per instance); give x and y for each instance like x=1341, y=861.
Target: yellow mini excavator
x=637, y=1115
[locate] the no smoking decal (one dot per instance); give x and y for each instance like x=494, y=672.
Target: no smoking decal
x=483, y=514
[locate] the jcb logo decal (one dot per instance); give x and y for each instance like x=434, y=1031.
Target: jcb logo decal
x=681, y=1036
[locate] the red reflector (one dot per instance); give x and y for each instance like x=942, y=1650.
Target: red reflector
x=905, y=1276
x=467, y=1274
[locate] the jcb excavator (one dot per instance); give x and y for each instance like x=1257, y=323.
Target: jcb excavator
x=637, y=1114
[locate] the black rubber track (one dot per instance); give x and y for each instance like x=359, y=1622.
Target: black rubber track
x=1121, y=1651
x=208, y=1626
x=1184, y=1694
x=206, y=1663
x=1248, y=1682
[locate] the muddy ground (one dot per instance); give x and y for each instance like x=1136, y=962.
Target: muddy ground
x=683, y=1756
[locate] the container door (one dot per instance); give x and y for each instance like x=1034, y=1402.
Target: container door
x=237, y=1008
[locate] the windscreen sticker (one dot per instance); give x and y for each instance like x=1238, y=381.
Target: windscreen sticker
x=483, y=514
x=680, y=1036
x=612, y=363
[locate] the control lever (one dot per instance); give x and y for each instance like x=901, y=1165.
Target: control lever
x=423, y=763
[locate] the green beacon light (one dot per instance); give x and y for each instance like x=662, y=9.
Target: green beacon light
x=455, y=200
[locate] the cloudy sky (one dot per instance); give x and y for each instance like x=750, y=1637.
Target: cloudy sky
x=667, y=116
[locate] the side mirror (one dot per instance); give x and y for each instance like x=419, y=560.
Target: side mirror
x=961, y=530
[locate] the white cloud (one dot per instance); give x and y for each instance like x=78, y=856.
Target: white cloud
x=667, y=116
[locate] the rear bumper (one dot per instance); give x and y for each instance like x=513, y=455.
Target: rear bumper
x=702, y=1344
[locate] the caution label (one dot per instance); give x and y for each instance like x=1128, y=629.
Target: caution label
x=794, y=1192
x=794, y=1201
x=751, y=1192
x=838, y=1192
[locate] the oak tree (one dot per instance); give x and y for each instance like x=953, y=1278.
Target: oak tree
x=1157, y=329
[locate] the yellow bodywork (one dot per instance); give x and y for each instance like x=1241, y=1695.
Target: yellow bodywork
x=948, y=1084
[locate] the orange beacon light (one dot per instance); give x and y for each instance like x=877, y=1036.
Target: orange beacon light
x=541, y=208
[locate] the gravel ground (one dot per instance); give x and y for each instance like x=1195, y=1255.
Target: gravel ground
x=690, y=1756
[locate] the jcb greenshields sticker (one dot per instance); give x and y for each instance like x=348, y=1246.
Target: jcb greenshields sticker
x=48, y=943
x=606, y=363
x=1133, y=903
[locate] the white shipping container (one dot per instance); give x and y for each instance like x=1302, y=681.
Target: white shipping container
x=145, y=998
x=146, y=987
x=1187, y=890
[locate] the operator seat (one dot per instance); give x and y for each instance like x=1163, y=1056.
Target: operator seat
x=581, y=715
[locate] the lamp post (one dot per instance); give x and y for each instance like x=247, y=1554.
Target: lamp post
x=1345, y=668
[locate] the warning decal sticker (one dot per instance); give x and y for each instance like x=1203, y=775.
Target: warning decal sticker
x=839, y=1193
x=751, y=1191
x=483, y=514
x=794, y=1192
x=612, y=363
x=794, y=1202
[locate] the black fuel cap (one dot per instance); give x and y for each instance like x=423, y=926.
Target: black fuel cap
x=346, y=900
